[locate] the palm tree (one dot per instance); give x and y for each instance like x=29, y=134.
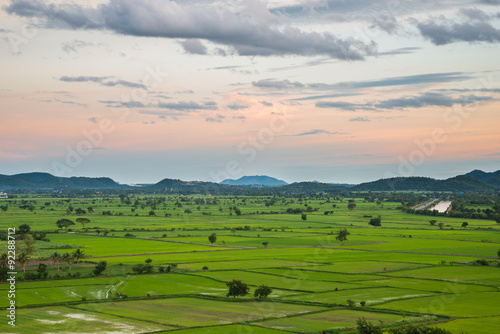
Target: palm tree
x=78, y=255
x=23, y=259
x=67, y=257
x=56, y=258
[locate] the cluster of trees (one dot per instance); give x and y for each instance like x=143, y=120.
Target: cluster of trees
x=238, y=288
x=365, y=327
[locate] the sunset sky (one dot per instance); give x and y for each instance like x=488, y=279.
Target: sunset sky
x=335, y=91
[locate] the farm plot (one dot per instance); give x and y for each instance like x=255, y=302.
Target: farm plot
x=371, y=296
x=337, y=319
x=477, y=304
x=60, y=319
x=188, y=312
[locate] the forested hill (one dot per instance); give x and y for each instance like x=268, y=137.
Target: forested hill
x=48, y=181
x=455, y=184
x=491, y=178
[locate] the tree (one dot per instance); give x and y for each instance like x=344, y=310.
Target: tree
x=42, y=270
x=100, y=267
x=376, y=221
x=464, y=225
x=418, y=330
x=148, y=261
x=433, y=222
x=366, y=327
x=498, y=253
x=262, y=291
x=351, y=206
x=23, y=259
x=342, y=235
x=441, y=226
x=265, y=243
x=83, y=221
x=68, y=258
x=304, y=216
x=212, y=238
x=78, y=255
x=29, y=244
x=64, y=223
x=24, y=229
x=237, y=288
x=56, y=258
x=237, y=211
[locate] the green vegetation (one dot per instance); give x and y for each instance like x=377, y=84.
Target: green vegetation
x=225, y=264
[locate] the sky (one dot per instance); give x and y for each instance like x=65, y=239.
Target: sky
x=328, y=90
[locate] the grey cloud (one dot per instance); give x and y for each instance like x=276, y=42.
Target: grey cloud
x=82, y=79
x=384, y=21
x=124, y=84
x=104, y=81
x=344, y=105
x=359, y=119
x=428, y=78
x=249, y=32
x=442, y=31
x=242, y=118
x=74, y=45
x=194, y=46
x=277, y=84
x=430, y=99
x=235, y=106
x=266, y=104
x=317, y=132
x=93, y=119
x=216, y=119
x=191, y=105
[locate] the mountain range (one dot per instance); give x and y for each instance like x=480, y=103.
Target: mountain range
x=474, y=181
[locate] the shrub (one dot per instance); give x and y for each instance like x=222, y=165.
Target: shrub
x=205, y=268
x=351, y=303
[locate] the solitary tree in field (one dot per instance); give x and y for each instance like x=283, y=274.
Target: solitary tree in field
x=376, y=221
x=304, y=216
x=212, y=238
x=342, y=235
x=464, y=225
x=100, y=267
x=83, y=221
x=265, y=243
x=433, y=222
x=351, y=206
x=441, y=226
x=262, y=291
x=237, y=288
x=64, y=223
x=498, y=253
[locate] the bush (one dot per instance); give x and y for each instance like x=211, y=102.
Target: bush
x=205, y=268
x=481, y=262
x=351, y=303
x=376, y=221
x=366, y=327
x=418, y=330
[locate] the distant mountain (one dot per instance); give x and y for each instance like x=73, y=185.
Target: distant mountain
x=257, y=180
x=49, y=181
x=457, y=183
x=491, y=178
x=190, y=186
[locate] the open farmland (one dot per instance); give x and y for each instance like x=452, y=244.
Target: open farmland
x=405, y=271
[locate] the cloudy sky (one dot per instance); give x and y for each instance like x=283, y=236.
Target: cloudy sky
x=329, y=90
